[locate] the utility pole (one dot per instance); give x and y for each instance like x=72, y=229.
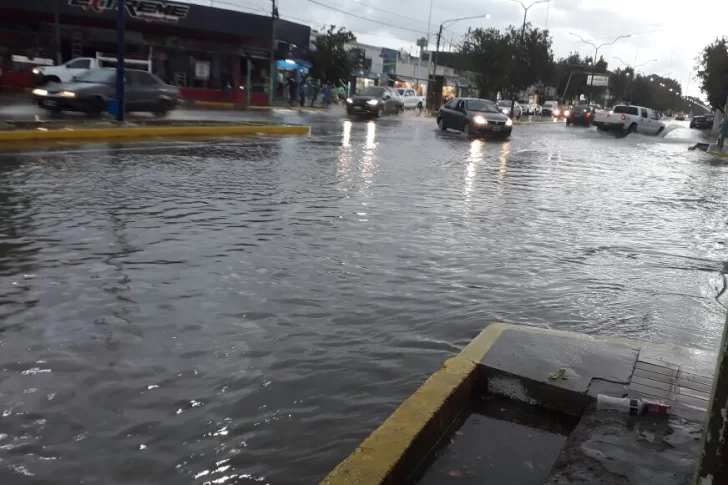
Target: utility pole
x=57, y=21
x=120, y=39
x=271, y=81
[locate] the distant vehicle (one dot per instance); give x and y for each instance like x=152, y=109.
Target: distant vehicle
x=411, y=99
x=580, y=115
x=505, y=107
x=548, y=107
x=75, y=67
x=702, y=122
x=625, y=119
x=90, y=93
x=680, y=117
x=528, y=107
x=537, y=109
x=474, y=117
x=375, y=101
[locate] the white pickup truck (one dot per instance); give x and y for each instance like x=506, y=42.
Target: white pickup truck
x=411, y=99
x=75, y=67
x=625, y=118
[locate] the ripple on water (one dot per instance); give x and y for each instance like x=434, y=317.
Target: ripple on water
x=237, y=312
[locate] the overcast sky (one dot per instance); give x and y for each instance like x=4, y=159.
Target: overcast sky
x=671, y=31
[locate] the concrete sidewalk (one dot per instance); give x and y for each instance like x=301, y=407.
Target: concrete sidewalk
x=557, y=376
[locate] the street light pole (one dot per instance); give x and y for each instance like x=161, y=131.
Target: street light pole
x=57, y=21
x=596, y=53
x=523, y=34
x=634, y=72
x=437, y=48
x=271, y=82
x=120, y=39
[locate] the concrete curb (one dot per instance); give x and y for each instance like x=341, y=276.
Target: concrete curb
x=398, y=448
x=149, y=132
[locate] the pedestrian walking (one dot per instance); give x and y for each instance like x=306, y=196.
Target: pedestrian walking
x=291, y=90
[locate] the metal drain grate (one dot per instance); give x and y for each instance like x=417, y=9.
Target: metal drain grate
x=667, y=382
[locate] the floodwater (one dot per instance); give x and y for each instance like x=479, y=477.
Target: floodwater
x=245, y=311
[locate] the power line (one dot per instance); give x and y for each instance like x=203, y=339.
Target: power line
x=358, y=2
x=365, y=18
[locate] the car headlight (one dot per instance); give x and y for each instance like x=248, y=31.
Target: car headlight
x=556, y=112
x=509, y=122
x=505, y=111
x=68, y=94
x=479, y=120
x=40, y=92
x=349, y=100
x=36, y=70
x=373, y=102
x=567, y=112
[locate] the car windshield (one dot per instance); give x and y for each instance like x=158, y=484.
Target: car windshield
x=102, y=76
x=371, y=91
x=400, y=91
x=504, y=103
x=482, y=105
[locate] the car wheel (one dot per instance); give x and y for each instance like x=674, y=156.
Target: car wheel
x=632, y=128
x=441, y=124
x=466, y=129
x=568, y=123
x=400, y=110
x=380, y=112
x=96, y=106
x=659, y=132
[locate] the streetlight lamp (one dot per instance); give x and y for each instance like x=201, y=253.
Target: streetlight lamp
x=634, y=72
x=596, y=53
x=437, y=48
x=525, y=13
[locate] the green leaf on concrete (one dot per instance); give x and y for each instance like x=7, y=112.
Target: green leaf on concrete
x=559, y=374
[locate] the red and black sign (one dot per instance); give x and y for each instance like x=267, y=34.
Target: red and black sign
x=148, y=10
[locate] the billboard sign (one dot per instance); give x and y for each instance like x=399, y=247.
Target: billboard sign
x=147, y=10
x=599, y=81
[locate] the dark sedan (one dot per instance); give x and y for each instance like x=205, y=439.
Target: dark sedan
x=701, y=122
x=91, y=92
x=375, y=101
x=580, y=115
x=474, y=117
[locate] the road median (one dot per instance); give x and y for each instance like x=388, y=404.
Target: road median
x=105, y=130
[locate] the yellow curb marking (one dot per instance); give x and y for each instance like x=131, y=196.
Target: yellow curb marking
x=150, y=131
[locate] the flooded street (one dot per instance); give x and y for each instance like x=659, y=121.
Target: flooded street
x=245, y=311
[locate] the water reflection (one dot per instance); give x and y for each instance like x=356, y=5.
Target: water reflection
x=503, y=159
x=343, y=165
x=369, y=161
x=476, y=155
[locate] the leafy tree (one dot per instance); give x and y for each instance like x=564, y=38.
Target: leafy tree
x=712, y=68
x=330, y=61
x=507, y=60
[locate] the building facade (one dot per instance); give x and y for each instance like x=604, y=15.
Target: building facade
x=212, y=54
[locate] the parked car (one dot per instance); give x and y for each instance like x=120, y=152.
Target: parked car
x=680, y=117
x=629, y=119
x=375, y=101
x=702, y=122
x=90, y=93
x=65, y=73
x=505, y=107
x=580, y=115
x=474, y=116
x=411, y=99
x=548, y=108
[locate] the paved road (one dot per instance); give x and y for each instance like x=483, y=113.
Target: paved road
x=245, y=311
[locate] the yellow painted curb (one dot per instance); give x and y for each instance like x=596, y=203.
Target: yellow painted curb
x=395, y=449
x=150, y=131
x=287, y=108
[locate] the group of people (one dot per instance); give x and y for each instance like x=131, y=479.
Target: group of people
x=299, y=91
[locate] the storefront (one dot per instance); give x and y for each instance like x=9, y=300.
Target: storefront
x=212, y=54
x=362, y=79
x=419, y=85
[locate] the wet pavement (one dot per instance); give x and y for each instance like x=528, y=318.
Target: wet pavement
x=241, y=311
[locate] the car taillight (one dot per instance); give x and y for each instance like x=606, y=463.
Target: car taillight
x=588, y=115
x=623, y=117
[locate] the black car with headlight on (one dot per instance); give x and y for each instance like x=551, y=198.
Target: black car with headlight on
x=474, y=117
x=91, y=91
x=375, y=101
